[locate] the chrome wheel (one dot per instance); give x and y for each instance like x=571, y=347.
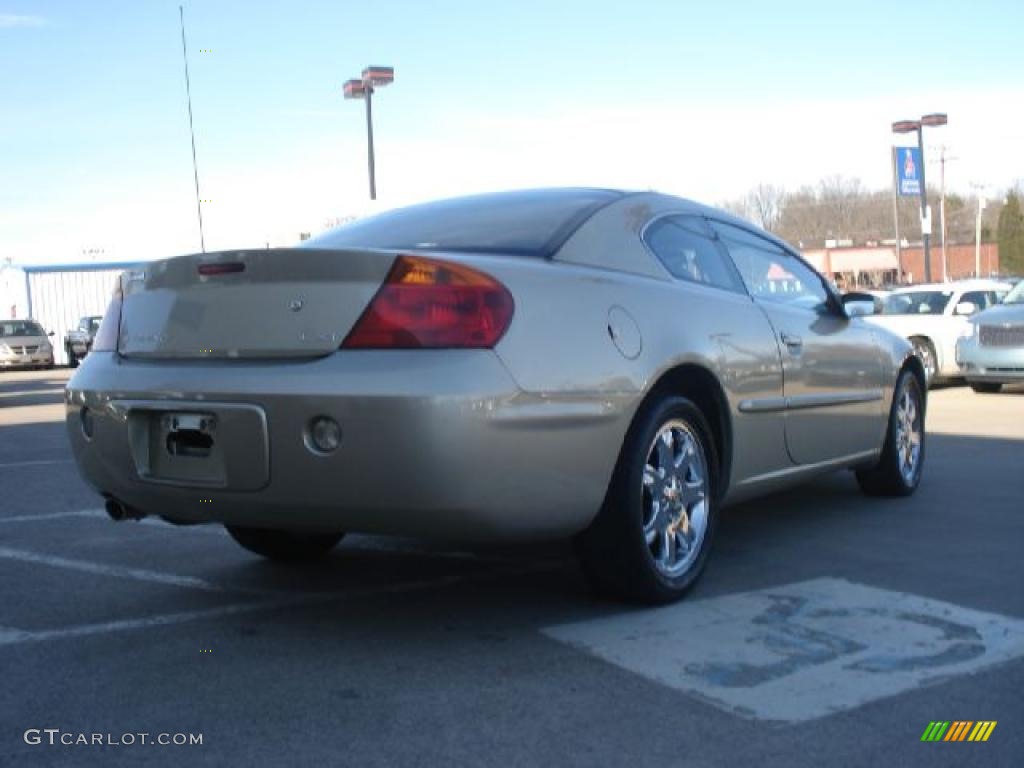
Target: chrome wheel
x=908, y=433
x=674, y=498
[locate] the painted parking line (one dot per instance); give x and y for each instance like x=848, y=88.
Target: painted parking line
x=116, y=571
x=36, y=463
x=14, y=636
x=362, y=544
x=99, y=513
x=800, y=651
x=54, y=515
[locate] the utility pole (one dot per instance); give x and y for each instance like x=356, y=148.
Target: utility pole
x=943, y=159
x=942, y=211
x=979, y=191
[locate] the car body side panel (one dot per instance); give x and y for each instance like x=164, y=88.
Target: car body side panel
x=832, y=383
x=560, y=342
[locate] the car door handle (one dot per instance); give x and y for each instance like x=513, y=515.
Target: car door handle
x=792, y=341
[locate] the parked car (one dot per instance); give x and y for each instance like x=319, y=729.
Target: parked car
x=24, y=344
x=933, y=316
x=552, y=363
x=78, y=341
x=992, y=353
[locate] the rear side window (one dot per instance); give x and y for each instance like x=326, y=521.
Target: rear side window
x=528, y=223
x=772, y=273
x=684, y=245
x=982, y=299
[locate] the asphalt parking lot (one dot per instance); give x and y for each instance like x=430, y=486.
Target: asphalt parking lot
x=829, y=629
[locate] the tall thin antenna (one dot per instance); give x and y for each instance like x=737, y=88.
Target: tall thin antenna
x=191, y=130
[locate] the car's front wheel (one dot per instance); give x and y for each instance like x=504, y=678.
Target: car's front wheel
x=898, y=471
x=288, y=546
x=651, y=539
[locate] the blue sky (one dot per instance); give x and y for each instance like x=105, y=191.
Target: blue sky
x=701, y=99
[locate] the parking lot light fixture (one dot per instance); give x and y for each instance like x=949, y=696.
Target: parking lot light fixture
x=363, y=88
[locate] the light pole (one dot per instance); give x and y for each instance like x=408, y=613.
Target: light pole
x=912, y=126
x=363, y=88
x=977, y=236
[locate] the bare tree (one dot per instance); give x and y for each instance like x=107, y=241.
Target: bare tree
x=764, y=204
x=842, y=209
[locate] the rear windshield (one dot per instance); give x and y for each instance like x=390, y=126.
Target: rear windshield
x=20, y=328
x=528, y=223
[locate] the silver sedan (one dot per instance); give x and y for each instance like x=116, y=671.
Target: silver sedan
x=991, y=353
x=611, y=366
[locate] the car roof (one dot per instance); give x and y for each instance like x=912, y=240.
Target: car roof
x=956, y=285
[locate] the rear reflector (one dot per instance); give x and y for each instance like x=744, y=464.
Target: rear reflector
x=426, y=303
x=221, y=268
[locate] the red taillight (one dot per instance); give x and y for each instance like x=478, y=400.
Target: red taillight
x=105, y=339
x=221, y=268
x=429, y=303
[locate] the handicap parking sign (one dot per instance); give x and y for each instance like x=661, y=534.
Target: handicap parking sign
x=908, y=170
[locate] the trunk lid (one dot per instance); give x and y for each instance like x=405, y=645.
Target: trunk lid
x=274, y=303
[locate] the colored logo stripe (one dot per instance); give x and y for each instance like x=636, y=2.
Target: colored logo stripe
x=958, y=730
x=983, y=730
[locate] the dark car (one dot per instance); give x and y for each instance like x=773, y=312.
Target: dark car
x=78, y=342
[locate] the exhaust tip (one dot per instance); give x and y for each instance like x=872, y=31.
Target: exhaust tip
x=118, y=511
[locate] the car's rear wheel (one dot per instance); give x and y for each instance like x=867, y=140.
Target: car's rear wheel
x=651, y=539
x=986, y=387
x=288, y=546
x=926, y=351
x=898, y=471
x=72, y=359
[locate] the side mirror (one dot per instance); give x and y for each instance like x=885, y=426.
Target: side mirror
x=49, y=333
x=965, y=308
x=859, y=307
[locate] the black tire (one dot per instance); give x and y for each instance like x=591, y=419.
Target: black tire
x=925, y=350
x=986, y=387
x=284, y=546
x=887, y=477
x=72, y=360
x=615, y=555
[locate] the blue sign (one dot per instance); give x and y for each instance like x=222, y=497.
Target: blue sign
x=908, y=170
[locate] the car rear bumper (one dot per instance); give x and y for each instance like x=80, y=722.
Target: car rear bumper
x=433, y=443
x=989, y=364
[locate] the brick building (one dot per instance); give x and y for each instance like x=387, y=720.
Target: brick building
x=877, y=266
